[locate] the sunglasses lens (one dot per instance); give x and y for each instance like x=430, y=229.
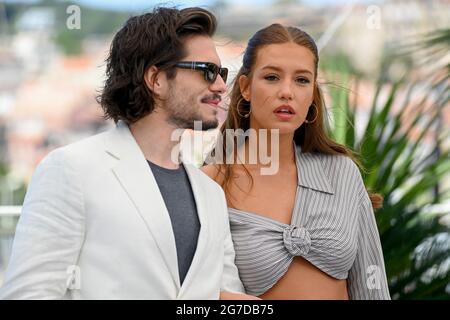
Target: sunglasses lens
x=211, y=75
x=213, y=71
x=224, y=74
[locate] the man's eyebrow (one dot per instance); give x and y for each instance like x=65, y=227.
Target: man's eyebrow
x=272, y=67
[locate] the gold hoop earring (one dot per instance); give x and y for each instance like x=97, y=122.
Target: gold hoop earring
x=317, y=114
x=239, y=113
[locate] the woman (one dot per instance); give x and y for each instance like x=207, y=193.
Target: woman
x=308, y=231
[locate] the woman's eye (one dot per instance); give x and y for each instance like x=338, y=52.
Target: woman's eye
x=303, y=80
x=271, y=77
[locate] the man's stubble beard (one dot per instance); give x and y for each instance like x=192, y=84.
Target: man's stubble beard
x=182, y=110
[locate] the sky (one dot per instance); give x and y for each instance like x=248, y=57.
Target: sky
x=145, y=3
x=142, y=4
x=132, y=5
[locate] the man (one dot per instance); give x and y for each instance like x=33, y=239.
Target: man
x=112, y=216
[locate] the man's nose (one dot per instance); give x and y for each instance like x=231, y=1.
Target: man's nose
x=218, y=85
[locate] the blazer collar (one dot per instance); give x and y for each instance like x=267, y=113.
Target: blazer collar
x=120, y=143
x=311, y=171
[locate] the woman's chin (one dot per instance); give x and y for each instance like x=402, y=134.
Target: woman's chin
x=285, y=128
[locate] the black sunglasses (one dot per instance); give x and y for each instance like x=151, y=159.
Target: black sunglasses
x=210, y=70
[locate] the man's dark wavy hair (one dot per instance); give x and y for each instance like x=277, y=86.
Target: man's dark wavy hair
x=154, y=38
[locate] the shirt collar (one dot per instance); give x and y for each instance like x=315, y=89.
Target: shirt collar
x=311, y=172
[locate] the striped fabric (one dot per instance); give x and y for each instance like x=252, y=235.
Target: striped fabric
x=333, y=227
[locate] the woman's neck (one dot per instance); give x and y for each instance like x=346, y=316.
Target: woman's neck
x=274, y=150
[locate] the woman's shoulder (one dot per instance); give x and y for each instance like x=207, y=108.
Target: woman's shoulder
x=338, y=161
x=341, y=169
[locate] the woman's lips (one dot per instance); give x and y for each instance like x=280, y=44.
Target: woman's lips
x=284, y=112
x=284, y=116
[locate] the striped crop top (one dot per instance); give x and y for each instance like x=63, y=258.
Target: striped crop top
x=332, y=226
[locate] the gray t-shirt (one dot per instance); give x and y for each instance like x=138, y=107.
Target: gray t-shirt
x=177, y=193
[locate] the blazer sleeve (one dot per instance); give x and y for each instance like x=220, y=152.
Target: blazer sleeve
x=367, y=277
x=49, y=233
x=230, y=276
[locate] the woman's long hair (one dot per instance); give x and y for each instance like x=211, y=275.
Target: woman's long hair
x=312, y=137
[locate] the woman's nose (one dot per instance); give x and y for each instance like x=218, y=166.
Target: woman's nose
x=285, y=92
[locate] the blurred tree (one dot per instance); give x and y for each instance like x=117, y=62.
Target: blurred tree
x=94, y=22
x=10, y=196
x=219, y=6
x=69, y=41
x=2, y=170
x=279, y=3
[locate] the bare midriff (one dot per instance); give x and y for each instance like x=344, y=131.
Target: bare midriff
x=303, y=281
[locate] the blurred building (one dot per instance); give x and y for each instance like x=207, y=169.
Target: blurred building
x=48, y=99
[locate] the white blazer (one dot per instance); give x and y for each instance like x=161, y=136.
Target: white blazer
x=94, y=226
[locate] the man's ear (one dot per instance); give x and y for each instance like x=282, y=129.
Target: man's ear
x=244, y=85
x=155, y=80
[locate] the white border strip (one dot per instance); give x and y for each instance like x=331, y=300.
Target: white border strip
x=10, y=210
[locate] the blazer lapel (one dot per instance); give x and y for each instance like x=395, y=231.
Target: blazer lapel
x=202, y=241
x=136, y=177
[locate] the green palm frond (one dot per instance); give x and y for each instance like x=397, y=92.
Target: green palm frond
x=401, y=152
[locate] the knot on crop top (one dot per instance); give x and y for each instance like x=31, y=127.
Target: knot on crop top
x=296, y=240
x=265, y=248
